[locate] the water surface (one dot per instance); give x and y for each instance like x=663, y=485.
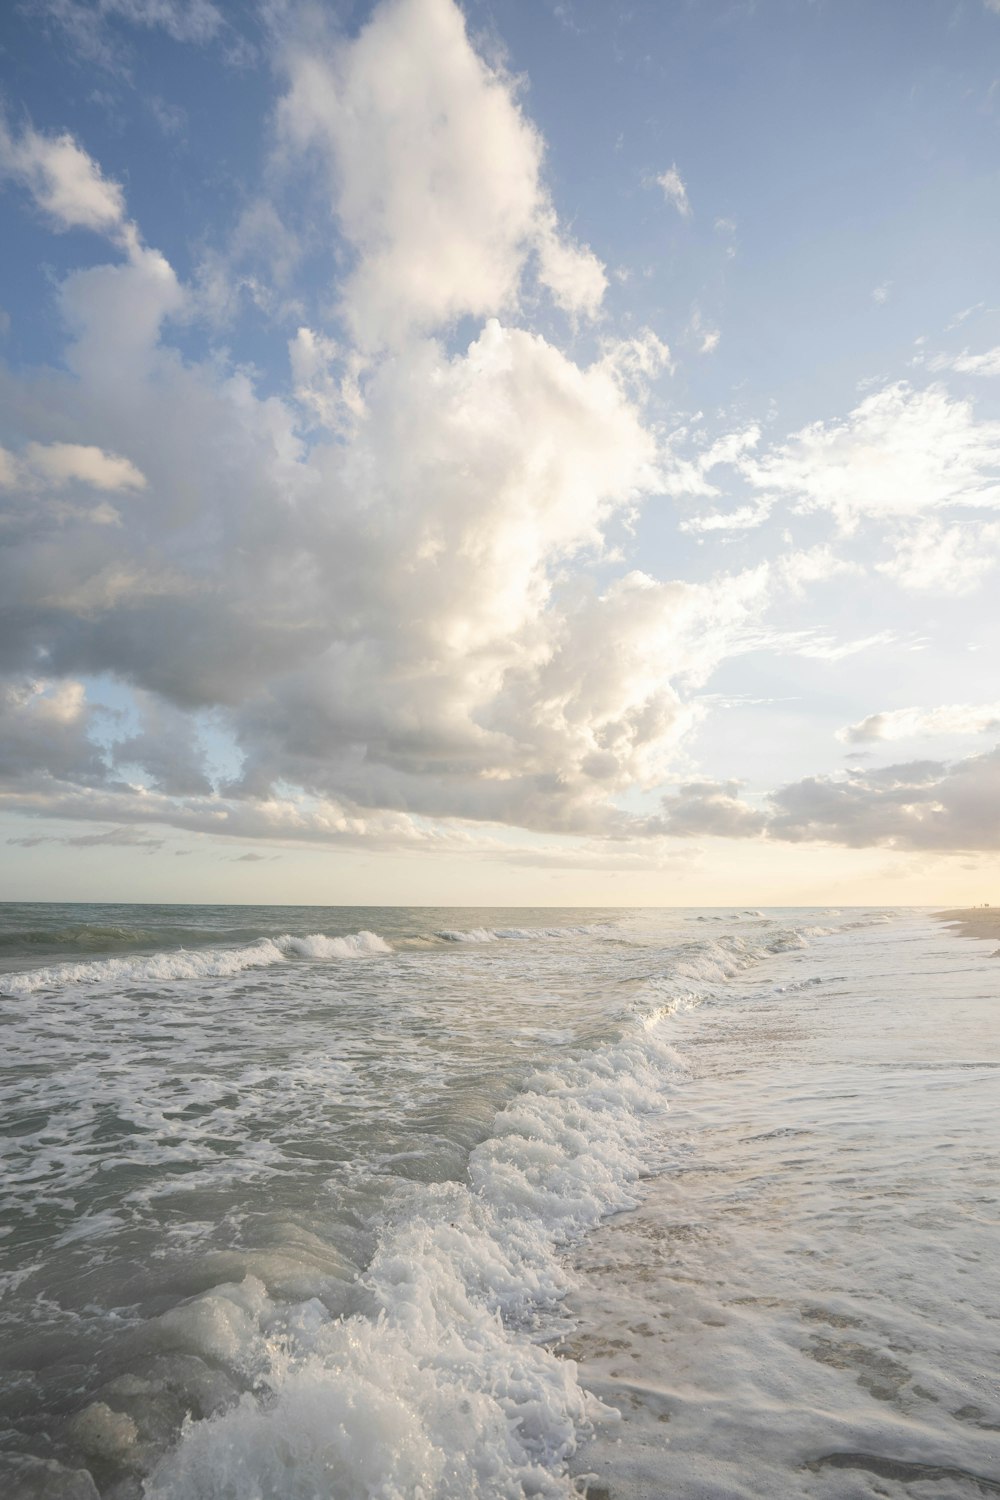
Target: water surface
x=307, y=1201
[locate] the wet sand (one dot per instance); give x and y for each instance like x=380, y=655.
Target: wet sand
x=974, y=921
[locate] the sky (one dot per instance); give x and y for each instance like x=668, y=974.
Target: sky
x=527, y=452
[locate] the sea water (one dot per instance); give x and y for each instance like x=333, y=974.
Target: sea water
x=391, y=1204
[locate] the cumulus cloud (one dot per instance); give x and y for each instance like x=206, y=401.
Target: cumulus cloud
x=434, y=173
x=917, y=805
x=392, y=587
x=908, y=723
x=44, y=734
x=710, y=807
x=675, y=191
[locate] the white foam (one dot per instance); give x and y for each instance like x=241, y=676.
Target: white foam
x=186, y=963
x=442, y=1388
x=521, y=934
x=355, y=945
x=471, y=935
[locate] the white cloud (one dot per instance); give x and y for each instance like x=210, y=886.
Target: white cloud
x=184, y=20
x=637, y=360
x=59, y=464
x=706, y=338
x=819, y=645
x=987, y=363
x=90, y=24
x=674, y=190
x=396, y=587
x=64, y=181
x=912, y=723
x=898, y=453
x=325, y=380
x=399, y=620
x=434, y=174
x=933, y=558
x=255, y=265
x=688, y=476
x=881, y=293
x=572, y=273
x=743, y=518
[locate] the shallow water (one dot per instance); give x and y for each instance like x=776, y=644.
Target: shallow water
x=808, y=1301
x=311, y=1202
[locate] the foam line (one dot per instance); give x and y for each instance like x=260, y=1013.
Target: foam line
x=186, y=963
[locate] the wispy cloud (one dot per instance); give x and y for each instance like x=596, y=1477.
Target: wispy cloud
x=987, y=363
x=675, y=191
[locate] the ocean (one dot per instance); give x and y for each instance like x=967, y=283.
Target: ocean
x=308, y=1203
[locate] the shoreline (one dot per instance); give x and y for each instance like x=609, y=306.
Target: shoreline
x=751, y=1339
x=981, y=922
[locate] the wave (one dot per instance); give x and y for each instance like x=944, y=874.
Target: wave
x=223, y=963
x=183, y=963
x=471, y=935
x=521, y=934
x=441, y=1387
x=438, y=1381
x=444, y=1384
x=100, y=937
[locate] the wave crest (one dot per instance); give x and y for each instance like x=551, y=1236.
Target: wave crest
x=186, y=963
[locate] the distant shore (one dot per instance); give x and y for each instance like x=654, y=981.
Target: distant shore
x=974, y=921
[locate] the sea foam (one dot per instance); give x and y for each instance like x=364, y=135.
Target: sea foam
x=440, y=1387
x=187, y=963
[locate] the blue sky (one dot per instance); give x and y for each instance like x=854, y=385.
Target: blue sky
x=540, y=452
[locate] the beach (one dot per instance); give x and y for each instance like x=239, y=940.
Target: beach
x=974, y=921
x=380, y=1203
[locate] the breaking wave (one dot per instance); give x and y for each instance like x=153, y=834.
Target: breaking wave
x=183, y=963
x=522, y=934
x=440, y=1386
